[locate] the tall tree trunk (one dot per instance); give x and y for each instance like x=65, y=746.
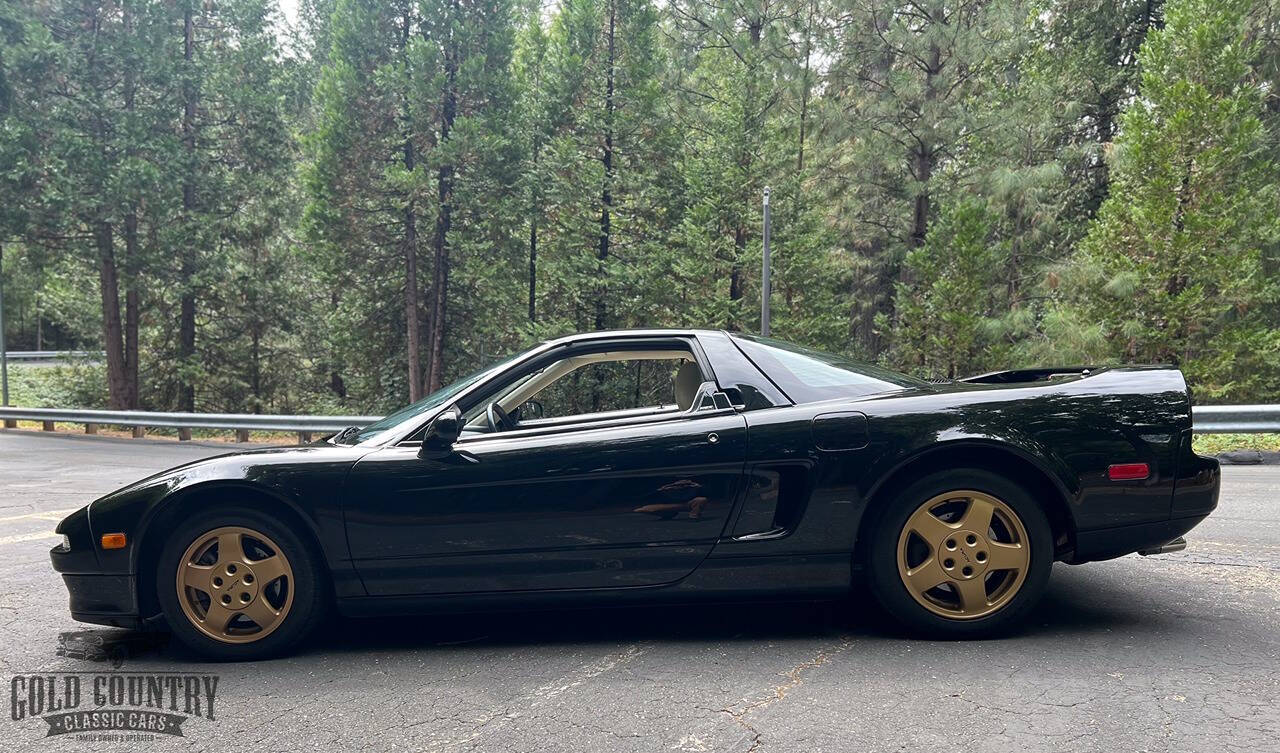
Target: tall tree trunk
x=444, y=220
x=606, y=189
x=187, y=306
x=533, y=267
x=413, y=334
x=257, y=326
x=255, y=367
x=336, y=383
x=132, y=306
x=117, y=385
x=131, y=252
x=805, y=87
x=923, y=159
x=440, y=278
x=535, y=207
x=923, y=169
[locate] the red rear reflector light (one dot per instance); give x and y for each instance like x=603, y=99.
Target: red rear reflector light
x=1129, y=471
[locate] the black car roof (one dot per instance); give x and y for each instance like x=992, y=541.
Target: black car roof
x=607, y=333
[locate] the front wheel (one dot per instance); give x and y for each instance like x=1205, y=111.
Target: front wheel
x=237, y=584
x=962, y=553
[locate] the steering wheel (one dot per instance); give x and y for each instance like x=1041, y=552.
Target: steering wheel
x=499, y=419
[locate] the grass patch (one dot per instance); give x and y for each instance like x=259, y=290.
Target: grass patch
x=1212, y=444
x=64, y=385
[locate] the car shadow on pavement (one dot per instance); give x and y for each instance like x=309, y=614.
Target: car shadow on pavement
x=1073, y=607
x=1074, y=604
x=720, y=622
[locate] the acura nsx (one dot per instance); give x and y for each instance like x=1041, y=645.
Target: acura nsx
x=657, y=466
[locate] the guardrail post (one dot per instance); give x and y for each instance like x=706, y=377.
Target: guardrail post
x=139, y=432
x=184, y=435
x=90, y=428
x=304, y=437
x=46, y=426
x=242, y=435
x=11, y=423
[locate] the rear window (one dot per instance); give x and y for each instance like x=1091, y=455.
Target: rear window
x=808, y=375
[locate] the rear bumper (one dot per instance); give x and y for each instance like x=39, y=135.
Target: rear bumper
x=1109, y=543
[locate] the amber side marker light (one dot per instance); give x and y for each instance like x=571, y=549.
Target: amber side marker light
x=1129, y=471
x=113, y=541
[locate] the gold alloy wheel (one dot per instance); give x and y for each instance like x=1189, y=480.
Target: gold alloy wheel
x=235, y=585
x=963, y=554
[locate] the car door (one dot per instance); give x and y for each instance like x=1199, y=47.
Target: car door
x=632, y=502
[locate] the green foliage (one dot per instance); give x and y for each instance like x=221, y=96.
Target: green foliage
x=942, y=330
x=1173, y=270
x=339, y=216
x=1213, y=444
x=58, y=386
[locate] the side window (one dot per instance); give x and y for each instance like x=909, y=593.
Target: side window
x=606, y=386
x=594, y=385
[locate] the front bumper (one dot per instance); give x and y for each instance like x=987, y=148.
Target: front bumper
x=96, y=597
x=104, y=599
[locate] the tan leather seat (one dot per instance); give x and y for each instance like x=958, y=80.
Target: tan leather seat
x=688, y=380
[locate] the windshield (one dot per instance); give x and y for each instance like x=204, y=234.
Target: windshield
x=807, y=375
x=434, y=400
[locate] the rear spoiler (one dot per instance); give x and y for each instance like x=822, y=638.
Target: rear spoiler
x=1017, y=376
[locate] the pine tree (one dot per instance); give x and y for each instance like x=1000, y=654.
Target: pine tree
x=1172, y=271
x=955, y=278
x=906, y=79
x=732, y=108
x=410, y=139
x=108, y=134
x=608, y=162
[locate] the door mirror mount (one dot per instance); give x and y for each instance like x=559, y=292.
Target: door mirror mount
x=441, y=433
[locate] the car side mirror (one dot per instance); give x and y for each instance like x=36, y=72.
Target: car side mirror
x=441, y=433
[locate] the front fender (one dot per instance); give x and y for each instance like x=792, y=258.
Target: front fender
x=308, y=484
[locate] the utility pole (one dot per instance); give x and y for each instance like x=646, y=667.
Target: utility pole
x=764, y=277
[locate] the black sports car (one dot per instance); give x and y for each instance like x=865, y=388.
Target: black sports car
x=658, y=465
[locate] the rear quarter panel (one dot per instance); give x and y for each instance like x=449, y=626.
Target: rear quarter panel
x=1073, y=429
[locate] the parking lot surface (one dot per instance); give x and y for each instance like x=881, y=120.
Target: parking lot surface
x=1179, y=652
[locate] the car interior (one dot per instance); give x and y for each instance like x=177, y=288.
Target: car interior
x=592, y=386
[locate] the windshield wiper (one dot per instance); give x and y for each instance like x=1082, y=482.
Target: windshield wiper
x=348, y=433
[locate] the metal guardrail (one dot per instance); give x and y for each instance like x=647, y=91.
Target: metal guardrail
x=52, y=355
x=1206, y=419
x=241, y=423
x=1235, y=419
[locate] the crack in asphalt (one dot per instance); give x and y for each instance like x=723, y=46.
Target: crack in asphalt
x=795, y=677
x=543, y=695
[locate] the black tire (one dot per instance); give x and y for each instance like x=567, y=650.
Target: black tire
x=881, y=556
x=309, y=583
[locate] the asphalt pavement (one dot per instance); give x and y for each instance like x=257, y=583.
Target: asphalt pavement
x=1179, y=652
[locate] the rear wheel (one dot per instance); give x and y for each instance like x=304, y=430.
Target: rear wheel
x=237, y=584
x=961, y=553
